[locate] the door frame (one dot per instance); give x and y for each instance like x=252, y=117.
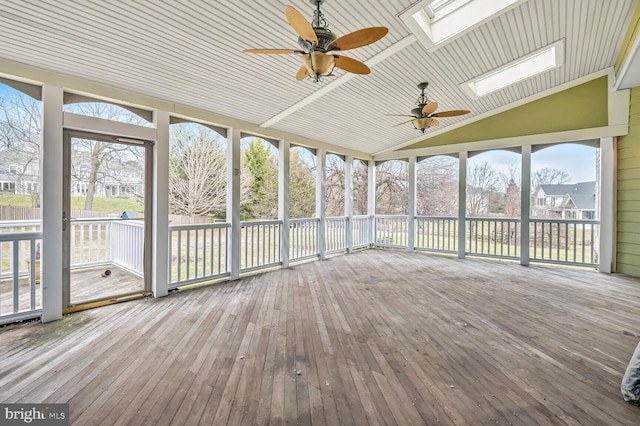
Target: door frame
x=68, y=135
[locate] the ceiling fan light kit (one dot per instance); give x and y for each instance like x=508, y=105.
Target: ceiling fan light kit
x=317, y=42
x=424, y=115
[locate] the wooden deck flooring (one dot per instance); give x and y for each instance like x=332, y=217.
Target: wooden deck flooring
x=377, y=337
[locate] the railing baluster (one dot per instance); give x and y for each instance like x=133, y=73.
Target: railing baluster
x=32, y=275
x=16, y=276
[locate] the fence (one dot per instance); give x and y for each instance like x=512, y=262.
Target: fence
x=18, y=297
x=197, y=253
x=392, y=231
x=497, y=237
x=303, y=238
x=260, y=244
x=438, y=234
x=564, y=241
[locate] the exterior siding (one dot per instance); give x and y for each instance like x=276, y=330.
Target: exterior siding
x=628, y=229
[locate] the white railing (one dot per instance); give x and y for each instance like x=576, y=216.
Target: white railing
x=303, y=238
x=127, y=245
x=435, y=233
x=197, y=253
x=18, y=296
x=361, y=231
x=392, y=231
x=17, y=226
x=564, y=241
x=92, y=242
x=260, y=244
x=335, y=237
x=495, y=237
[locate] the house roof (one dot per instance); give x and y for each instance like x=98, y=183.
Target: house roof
x=186, y=55
x=583, y=194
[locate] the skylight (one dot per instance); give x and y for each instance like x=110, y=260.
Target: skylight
x=435, y=22
x=528, y=66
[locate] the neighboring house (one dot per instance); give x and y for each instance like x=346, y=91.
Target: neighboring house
x=18, y=172
x=566, y=201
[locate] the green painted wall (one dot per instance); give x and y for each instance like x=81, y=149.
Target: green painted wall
x=633, y=32
x=628, y=250
x=580, y=107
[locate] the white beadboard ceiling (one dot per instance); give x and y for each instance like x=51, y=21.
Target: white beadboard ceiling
x=190, y=52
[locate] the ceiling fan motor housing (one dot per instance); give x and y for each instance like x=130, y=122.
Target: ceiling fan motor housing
x=325, y=41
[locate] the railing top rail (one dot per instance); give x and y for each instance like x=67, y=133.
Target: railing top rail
x=106, y=219
x=305, y=219
x=260, y=222
x=20, y=236
x=438, y=217
x=200, y=226
x=336, y=218
x=362, y=216
x=539, y=220
x=9, y=223
x=503, y=219
x=391, y=216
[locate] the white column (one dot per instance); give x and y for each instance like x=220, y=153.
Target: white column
x=284, y=150
x=411, y=208
x=321, y=199
x=348, y=201
x=160, y=230
x=52, y=148
x=525, y=204
x=233, y=202
x=462, y=203
x=371, y=200
x=607, y=205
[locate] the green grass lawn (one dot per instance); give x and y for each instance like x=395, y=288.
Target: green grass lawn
x=101, y=204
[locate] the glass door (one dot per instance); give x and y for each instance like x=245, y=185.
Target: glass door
x=106, y=225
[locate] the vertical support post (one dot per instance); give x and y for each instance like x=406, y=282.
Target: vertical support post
x=371, y=201
x=284, y=151
x=233, y=202
x=607, y=205
x=52, y=206
x=321, y=200
x=462, y=203
x=411, y=208
x=348, y=201
x=525, y=204
x=160, y=207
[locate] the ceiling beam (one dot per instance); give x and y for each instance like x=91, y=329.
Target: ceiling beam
x=334, y=84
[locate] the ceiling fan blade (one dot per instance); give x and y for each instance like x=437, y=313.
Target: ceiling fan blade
x=302, y=73
x=351, y=65
x=272, y=51
x=404, y=122
x=400, y=115
x=430, y=107
x=360, y=38
x=435, y=122
x=301, y=26
x=451, y=113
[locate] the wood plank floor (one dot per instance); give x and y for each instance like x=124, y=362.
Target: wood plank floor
x=377, y=337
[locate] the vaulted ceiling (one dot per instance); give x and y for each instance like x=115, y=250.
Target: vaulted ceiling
x=190, y=53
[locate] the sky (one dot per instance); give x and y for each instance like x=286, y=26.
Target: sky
x=578, y=161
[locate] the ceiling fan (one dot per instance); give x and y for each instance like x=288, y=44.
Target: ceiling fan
x=425, y=115
x=317, y=44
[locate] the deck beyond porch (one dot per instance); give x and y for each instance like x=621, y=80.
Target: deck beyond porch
x=376, y=337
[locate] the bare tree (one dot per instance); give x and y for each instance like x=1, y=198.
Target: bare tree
x=482, y=183
x=334, y=190
x=391, y=187
x=437, y=192
x=103, y=159
x=302, y=187
x=511, y=183
x=197, y=173
x=20, y=131
x=360, y=188
x=547, y=176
